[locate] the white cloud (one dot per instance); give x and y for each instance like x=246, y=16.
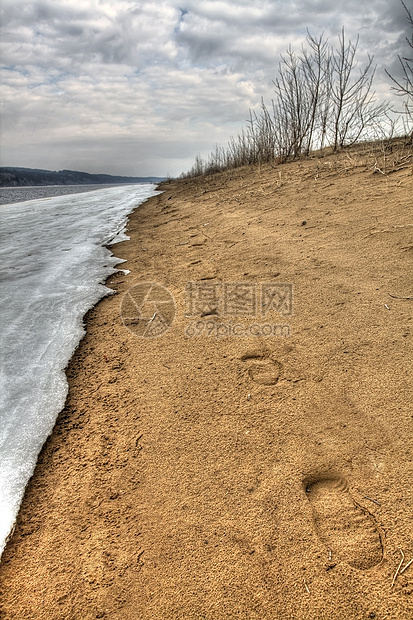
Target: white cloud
x=140, y=87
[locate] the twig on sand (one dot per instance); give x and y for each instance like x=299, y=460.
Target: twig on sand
x=407, y=566
x=398, y=297
x=306, y=586
x=372, y=500
x=377, y=169
x=398, y=569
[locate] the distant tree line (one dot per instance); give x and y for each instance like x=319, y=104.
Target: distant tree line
x=21, y=177
x=321, y=98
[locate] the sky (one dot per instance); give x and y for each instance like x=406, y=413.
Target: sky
x=137, y=87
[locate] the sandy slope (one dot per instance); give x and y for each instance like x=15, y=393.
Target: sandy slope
x=242, y=476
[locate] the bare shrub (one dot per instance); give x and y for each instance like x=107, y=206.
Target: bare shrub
x=319, y=101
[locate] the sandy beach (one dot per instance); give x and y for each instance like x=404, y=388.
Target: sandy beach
x=259, y=471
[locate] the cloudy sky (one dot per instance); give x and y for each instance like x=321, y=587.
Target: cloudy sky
x=139, y=87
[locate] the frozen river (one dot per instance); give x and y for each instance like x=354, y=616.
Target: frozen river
x=53, y=265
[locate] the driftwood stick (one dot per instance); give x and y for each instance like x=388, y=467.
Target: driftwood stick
x=407, y=566
x=398, y=297
x=398, y=569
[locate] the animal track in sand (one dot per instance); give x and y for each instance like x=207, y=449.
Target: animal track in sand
x=262, y=369
x=348, y=530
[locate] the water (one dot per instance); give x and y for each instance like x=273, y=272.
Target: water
x=52, y=267
x=9, y=195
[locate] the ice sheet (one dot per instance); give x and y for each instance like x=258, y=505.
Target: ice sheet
x=52, y=265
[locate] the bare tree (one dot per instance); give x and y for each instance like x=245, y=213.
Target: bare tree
x=404, y=86
x=353, y=107
x=319, y=100
x=316, y=67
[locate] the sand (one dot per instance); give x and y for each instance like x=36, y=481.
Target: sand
x=209, y=474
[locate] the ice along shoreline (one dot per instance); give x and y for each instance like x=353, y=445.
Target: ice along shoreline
x=54, y=263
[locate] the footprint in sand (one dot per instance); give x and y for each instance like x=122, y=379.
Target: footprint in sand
x=262, y=369
x=348, y=530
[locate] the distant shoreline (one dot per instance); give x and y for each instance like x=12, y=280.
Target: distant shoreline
x=31, y=177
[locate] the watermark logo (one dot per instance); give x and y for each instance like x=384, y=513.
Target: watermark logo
x=213, y=308
x=210, y=303
x=227, y=329
x=148, y=310
x=248, y=299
